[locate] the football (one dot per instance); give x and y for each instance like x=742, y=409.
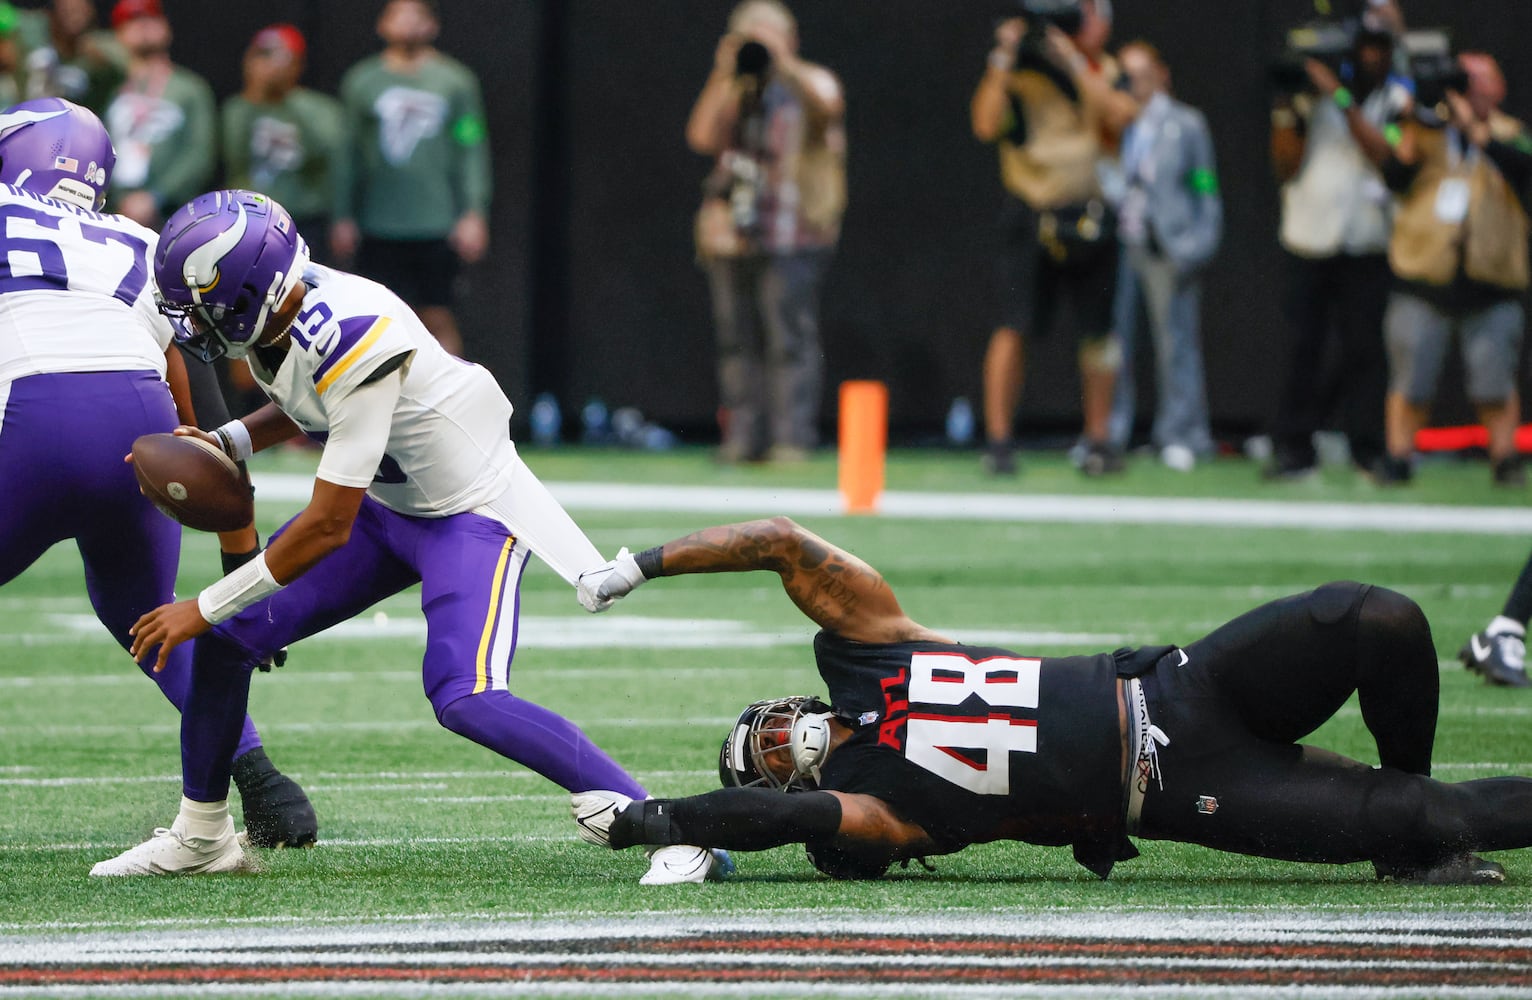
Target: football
x=193, y=482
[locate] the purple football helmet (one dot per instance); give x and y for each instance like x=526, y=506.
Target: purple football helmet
x=226, y=260
x=57, y=149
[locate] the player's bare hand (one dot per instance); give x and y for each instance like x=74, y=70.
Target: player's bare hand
x=187, y=431
x=167, y=626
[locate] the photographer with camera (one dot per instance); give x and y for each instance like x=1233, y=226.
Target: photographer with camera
x=1051, y=101
x=1459, y=256
x=1327, y=145
x=768, y=225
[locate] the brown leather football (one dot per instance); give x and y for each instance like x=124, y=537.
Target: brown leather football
x=193, y=482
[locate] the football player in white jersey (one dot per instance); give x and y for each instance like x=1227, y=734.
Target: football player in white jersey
x=418, y=482
x=86, y=366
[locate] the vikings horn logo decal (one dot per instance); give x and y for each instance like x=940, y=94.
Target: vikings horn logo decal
x=201, y=268
x=16, y=119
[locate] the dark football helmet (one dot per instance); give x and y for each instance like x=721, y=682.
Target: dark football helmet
x=777, y=743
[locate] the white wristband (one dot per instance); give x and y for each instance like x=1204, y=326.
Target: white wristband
x=235, y=438
x=225, y=598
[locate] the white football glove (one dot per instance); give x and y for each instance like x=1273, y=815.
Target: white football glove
x=599, y=588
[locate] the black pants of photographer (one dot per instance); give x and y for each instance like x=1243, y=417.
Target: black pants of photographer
x=1339, y=299
x=770, y=365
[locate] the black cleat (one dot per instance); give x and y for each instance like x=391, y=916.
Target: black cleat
x=1499, y=657
x=1509, y=472
x=1102, y=459
x=1460, y=869
x=1389, y=470
x=1288, y=466
x=277, y=812
x=999, y=459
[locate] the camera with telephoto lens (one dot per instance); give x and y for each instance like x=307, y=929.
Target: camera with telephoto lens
x=1066, y=15
x=752, y=60
x=1329, y=41
x=1333, y=39
x=1436, y=71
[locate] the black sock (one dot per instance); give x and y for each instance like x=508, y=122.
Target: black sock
x=1519, y=605
x=739, y=819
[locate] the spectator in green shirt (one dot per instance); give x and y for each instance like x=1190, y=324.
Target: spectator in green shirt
x=10, y=55
x=279, y=138
x=162, y=120
x=67, y=55
x=412, y=193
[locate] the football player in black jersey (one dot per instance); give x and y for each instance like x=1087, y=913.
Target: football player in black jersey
x=926, y=746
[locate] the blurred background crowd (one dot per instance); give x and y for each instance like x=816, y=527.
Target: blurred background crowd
x=1180, y=227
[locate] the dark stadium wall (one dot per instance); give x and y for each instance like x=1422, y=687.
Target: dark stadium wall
x=591, y=289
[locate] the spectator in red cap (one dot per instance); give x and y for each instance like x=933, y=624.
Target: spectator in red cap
x=162, y=120
x=279, y=138
x=282, y=140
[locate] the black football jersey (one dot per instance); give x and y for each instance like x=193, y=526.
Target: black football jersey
x=975, y=743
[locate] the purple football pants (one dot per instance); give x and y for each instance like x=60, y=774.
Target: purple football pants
x=470, y=570
x=62, y=441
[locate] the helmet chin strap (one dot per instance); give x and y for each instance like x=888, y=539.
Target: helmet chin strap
x=282, y=284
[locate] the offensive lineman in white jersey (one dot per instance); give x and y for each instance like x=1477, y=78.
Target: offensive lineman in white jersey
x=86, y=366
x=418, y=482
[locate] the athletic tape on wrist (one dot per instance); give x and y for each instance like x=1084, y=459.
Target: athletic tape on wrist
x=227, y=597
x=236, y=440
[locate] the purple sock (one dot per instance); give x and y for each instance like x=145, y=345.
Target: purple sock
x=214, y=716
x=175, y=683
x=546, y=742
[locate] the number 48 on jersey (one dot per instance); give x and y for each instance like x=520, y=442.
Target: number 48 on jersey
x=970, y=750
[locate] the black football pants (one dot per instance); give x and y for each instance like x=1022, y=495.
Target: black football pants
x=1236, y=779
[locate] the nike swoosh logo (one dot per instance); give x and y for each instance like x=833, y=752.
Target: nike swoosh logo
x=1184, y=658
x=1480, y=652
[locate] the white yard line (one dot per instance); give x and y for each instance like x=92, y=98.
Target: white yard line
x=515, y=941
x=747, y=501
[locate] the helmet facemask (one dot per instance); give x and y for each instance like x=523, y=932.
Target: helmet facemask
x=778, y=743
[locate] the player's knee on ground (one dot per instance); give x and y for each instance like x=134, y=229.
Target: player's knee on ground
x=1101, y=355
x=1413, y=820
x=849, y=860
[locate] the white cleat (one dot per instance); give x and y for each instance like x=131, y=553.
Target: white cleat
x=170, y=852
x=679, y=864
x=594, y=812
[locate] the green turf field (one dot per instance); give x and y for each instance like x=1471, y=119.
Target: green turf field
x=417, y=821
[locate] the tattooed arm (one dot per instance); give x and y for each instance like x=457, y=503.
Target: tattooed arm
x=833, y=587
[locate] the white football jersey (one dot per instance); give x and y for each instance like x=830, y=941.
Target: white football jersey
x=449, y=448
x=76, y=293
